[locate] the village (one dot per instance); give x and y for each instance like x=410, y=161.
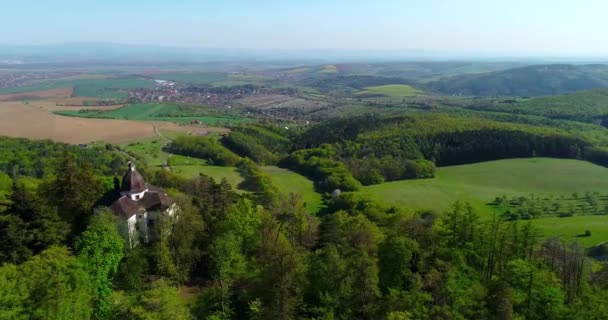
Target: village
x=168, y=91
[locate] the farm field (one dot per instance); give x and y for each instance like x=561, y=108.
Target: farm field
x=549, y=180
x=35, y=121
x=112, y=88
x=152, y=112
x=391, y=90
x=65, y=92
x=291, y=182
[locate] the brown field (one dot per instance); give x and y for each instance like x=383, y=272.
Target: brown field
x=53, y=93
x=35, y=121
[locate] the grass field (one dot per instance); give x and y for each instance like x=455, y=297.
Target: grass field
x=150, y=150
x=391, y=90
x=153, y=112
x=191, y=167
x=291, y=182
x=574, y=227
x=481, y=183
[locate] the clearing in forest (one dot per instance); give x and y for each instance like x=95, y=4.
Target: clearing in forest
x=390, y=90
x=290, y=182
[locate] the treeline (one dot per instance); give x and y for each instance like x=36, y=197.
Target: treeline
x=207, y=148
x=319, y=165
x=258, y=182
x=35, y=158
x=372, y=170
x=258, y=143
x=476, y=145
x=447, y=140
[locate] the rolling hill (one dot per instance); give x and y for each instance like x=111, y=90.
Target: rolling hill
x=538, y=80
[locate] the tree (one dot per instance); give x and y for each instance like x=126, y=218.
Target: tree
x=161, y=301
x=184, y=241
x=14, y=239
x=395, y=262
x=13, y=294
x=281, y=266
x=58, y=285
x=537, y=293
x=73, y=190
x=101, y=248
x=326, y=294
x=226, y=260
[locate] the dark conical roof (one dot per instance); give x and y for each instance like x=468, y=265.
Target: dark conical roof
x=133, y=182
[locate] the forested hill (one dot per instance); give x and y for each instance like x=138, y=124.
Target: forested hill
x=585, y=106
x=537, y=80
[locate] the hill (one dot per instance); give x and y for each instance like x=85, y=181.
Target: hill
x=544, y=183
x=586, y=106
x=536, y=80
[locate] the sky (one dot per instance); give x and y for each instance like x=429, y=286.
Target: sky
x=518, y=27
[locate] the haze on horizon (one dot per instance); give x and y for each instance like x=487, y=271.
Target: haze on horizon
x=516, y=27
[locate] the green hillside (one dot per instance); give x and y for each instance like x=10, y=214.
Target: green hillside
x=481, y=183
x=587, y=106
x=527, y=81
x=549, y=182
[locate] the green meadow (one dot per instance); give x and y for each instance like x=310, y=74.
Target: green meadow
x=391, y=90
x=550, y=180
x=189, y=167
x=290, y=182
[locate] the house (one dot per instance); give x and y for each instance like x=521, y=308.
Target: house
x=140, y=206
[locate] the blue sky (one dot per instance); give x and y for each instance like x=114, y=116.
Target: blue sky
x=491, y=26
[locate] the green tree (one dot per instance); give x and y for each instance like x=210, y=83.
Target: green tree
x=73, y=190
x=101, y=248
x=59, y=286
x=282, y=272
x=226, y=263
x=184, y=241
x=395, y=262
x=161, y=301
x=537, y=292
x=13, y=294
